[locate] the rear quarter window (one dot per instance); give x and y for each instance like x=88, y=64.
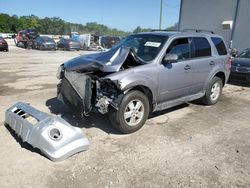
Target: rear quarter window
x=202, y=47
x=220, y=45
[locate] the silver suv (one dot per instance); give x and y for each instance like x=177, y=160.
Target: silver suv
x=144, y=73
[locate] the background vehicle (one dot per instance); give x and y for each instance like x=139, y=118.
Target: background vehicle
x=68, y=44
x=241, y=66
x=24, y=38
x=87, y=41
x=109, y=41
x=3, y=45
x=144, y=73
x=44, y=43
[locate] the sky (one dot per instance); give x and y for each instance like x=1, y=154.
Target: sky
x=125, y=15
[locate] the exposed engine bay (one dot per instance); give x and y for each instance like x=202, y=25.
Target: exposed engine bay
x=83, y=86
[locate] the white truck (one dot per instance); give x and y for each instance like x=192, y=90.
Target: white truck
x=88, y=41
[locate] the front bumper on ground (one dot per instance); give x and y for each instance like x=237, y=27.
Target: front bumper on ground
x=56, y=138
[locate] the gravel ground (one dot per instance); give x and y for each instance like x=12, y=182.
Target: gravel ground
x=187, y=146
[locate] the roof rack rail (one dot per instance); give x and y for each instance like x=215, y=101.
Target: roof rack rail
x=198, y=30
x=152, y=30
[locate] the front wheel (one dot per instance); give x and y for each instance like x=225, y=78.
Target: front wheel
x=213, y=92
x=132, y=114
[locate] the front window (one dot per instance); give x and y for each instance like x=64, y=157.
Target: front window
x=180, y=47
x=145, y=46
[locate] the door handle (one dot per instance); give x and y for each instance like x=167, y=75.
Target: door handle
x=211, y=63
x=187, y=67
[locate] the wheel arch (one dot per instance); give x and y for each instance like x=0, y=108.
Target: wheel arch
x=145, y=90
x=222, y=76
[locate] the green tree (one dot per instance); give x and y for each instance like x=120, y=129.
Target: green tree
x=138, y=29
x=173, y=27
x=54, y=25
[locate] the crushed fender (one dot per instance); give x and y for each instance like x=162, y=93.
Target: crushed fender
x=55, y=137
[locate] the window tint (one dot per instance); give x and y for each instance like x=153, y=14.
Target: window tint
x=180, y=47
x=220, y=46
x=202, y=47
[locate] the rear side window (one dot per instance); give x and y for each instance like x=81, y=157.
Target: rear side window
x=201, y=46
x=220, y=46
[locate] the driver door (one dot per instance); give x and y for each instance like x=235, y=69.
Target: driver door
x=175, y=79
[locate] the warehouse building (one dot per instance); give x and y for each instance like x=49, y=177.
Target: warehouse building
x=229, y=18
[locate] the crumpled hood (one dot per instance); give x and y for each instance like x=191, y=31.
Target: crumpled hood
x=110, y=61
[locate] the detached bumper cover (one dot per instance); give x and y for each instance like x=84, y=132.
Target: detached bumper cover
x=55, y=137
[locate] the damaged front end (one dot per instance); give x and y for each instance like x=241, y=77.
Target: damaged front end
x=83, y=84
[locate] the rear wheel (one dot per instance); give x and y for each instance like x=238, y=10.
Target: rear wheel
x=132, y=114
x=213, y=92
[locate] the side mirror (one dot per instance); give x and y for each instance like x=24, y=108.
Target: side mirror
x=170, y=58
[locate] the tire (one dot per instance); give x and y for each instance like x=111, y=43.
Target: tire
x=136, y=105
x=213, y=92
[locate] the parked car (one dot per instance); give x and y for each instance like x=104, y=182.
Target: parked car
x=24, y=38
x=109, y=41
x=44, y=43
x=144, y=73
x=241, y=66
x=3, y=45
x=68, y=44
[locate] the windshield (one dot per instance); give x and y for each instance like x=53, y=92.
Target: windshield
x=145, y=46
x=245, y=54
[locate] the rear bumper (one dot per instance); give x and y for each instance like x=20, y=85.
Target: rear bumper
x=56, y=138
x=74, y=47
x=50, y=48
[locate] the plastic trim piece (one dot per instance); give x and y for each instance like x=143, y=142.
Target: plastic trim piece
x=55, y=137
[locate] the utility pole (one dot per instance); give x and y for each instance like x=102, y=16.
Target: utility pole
x=160, y=24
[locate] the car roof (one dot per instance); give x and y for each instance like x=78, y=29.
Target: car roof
x=181, y=33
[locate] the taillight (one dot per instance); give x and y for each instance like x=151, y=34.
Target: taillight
x=229, y=63
x=3, y=42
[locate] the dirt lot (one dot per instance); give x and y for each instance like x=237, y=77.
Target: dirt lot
x=187, y=146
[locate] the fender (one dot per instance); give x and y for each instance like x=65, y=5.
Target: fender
x=132, y=77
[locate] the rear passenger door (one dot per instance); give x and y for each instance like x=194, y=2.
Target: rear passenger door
x=202, y=62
